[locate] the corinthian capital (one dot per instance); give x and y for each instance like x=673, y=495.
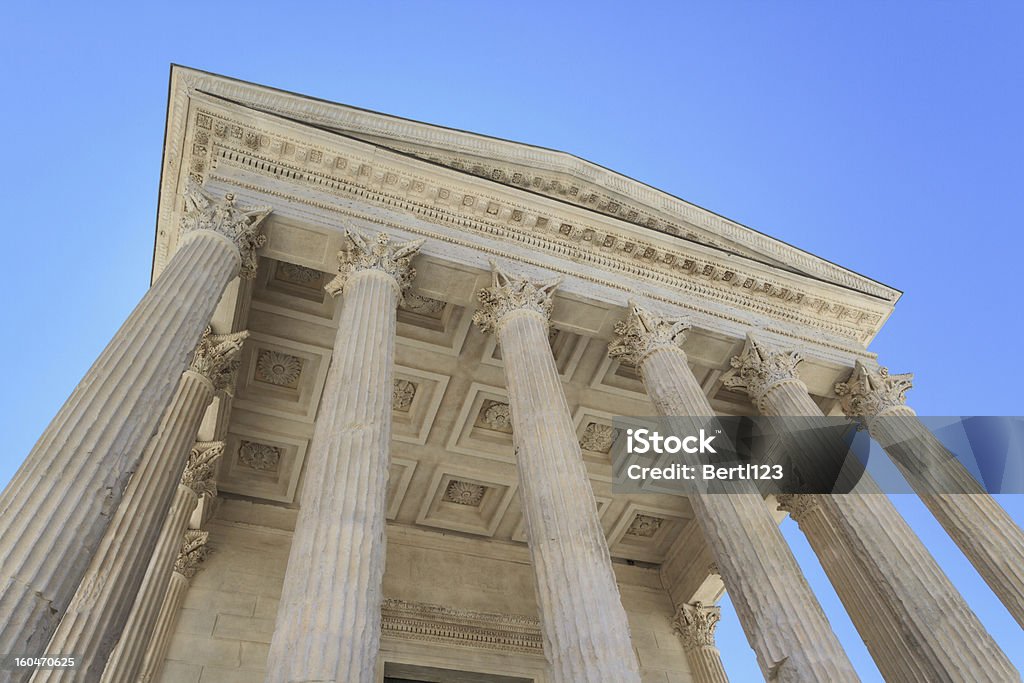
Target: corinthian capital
x=798, y=505
x=643, y=333
x=216, y=358
x=695, y=625
x=509, y=293
x=870, y=391
x=201, y=469
x=204, y=211
x=193, y=551
x=379, y=255
x=759, y=369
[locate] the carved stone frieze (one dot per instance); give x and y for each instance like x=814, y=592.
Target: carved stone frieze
x=464, y=493
x=422, y=305
x=295, y=274
x=379, y=255
x=193, y=552
x=277, y=368
x=510, y=293
x=869, y=391
x=488, y=630
x=695, y=625
x=204, y=211
x=201, y=470
x=759, y=369
x=259, y=456
x=216, y=358
x=643, y=333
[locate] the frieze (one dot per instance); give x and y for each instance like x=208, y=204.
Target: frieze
x=489, y=630
x=472, y=147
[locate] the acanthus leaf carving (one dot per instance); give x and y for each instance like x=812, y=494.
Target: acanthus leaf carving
x=510, y=293
x=379, y=255
x=201, y=469
x=869, y=392
x=216, y=358
x=759, y=369
x=193, y=552
x=205, y=211
x=695, y=625
x=643, y=332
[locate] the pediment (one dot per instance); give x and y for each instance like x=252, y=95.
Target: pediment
x=549, y=173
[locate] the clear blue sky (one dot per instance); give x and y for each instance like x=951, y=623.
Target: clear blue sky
x=883, y=136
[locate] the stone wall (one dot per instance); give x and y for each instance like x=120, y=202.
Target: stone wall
x=224, y=628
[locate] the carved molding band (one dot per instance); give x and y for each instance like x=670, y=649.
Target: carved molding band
x=490, y=630
x=204, y=211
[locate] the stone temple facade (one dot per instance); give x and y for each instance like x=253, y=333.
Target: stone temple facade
x=359, y=429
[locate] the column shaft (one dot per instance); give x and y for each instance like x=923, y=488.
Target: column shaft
x=61, y=501
x=126, y=659
x=979, y=525
x=156, y=651
x=328, y=623
x=96, y=615
x=939, y=631
x=781, y=617
x=585, y=628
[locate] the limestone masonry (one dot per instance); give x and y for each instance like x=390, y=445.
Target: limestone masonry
x=359, y=430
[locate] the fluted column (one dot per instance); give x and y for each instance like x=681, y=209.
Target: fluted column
x=192, y=551
x=979, y=525
x=783, y=621
x=328, y=623
x=695, y=625
x=196, y=481
x=60, y=502
x=97, y=614
x=586, y=635
x=938, y=631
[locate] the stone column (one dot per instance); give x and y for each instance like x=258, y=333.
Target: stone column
x=197, y=481
x=869, y=540
x=60, y=502
x=328, y=624
x=781, y=618
x=192, y=551
x=97, y=614
x=586, y=635
x=695, y=625
x=979, y=526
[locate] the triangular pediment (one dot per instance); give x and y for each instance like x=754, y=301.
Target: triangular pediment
x=549, y=173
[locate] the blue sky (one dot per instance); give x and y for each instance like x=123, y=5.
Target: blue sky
x=885, y=137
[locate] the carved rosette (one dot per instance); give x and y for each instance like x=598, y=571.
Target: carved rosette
x=695, y=625
x=642, y=333
x=201, y=469
x=871, y=391
x=216, y=358
x=379, y=255
x=204, y=211
x=193, y=551
x=798, y=505
x=759, y=369
x=509, y=294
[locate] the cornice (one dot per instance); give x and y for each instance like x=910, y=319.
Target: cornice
x=223, y=138
x=449, y=143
